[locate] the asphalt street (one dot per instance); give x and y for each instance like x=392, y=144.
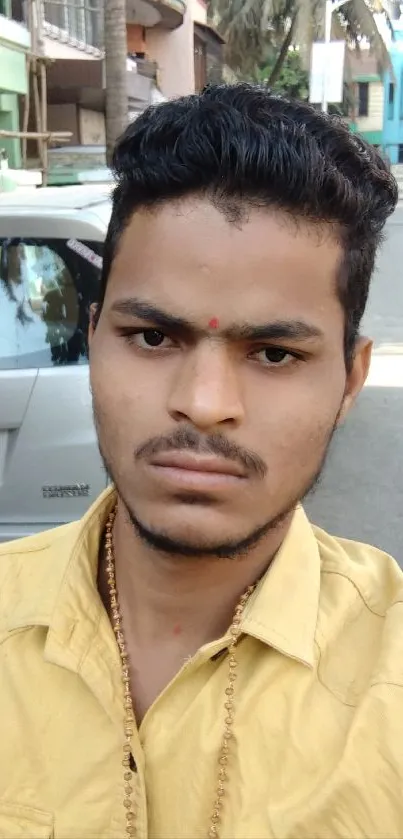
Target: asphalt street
x=360, y=495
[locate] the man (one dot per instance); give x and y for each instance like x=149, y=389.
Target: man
x=194, y=658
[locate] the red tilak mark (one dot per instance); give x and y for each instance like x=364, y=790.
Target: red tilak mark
x=214, y=323
x=177, y=629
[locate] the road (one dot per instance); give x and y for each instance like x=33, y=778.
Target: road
x=361, y=492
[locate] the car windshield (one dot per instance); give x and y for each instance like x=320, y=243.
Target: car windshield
x=46, y=289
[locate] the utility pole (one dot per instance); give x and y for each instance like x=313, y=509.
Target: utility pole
x=330, y=7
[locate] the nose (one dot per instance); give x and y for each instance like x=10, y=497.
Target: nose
x=206, y=390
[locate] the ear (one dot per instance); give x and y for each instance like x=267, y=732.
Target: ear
x=94, y=316
x=357, y=375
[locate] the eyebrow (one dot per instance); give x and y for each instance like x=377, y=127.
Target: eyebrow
x=291, y=330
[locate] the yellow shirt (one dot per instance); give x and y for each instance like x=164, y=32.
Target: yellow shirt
x=318, y=751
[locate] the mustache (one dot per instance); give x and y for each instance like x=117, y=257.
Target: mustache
x=188, y=439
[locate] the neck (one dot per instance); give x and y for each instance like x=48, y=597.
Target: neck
x=172, y=600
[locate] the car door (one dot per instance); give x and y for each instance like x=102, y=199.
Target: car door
x=50, y=467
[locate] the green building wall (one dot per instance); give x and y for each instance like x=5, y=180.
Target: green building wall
x=13, y=82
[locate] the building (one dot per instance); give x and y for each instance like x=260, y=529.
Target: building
x=15, y=43
x=172, y=51
x=208, y=55
x=191, y=56
x=367, y=94
x=73, y=38
x=393, y=91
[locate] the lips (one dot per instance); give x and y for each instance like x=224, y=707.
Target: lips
x=198, y=464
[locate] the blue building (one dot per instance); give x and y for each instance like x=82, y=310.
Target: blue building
x=392, y=140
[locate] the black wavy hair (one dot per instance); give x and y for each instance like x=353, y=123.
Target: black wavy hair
x=243, y=146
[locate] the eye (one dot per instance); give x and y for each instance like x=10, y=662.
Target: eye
x=275, y=357
x=151, y=338
x=148, y=339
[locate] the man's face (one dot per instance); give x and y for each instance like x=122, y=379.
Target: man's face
x=218, y=371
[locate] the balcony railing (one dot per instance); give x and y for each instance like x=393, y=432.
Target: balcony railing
x=79, y=22
x=145, y=67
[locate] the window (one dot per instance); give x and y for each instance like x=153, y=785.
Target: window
x=391, y=101
x=80, y=20
x=46, y=289
x=18, y=11
x=363, y=98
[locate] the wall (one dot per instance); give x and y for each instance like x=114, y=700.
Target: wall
x=174, y=52
x=135, y=38
x=87, y=127
x=13, y=74
x=198, y=10
x=91, y=127
x=10, y=121
x=14, y=41
x=14, y=34
x=64, y=118
x=56, y=49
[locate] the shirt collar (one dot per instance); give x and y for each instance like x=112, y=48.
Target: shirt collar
x=60, y=591
x=283, y=611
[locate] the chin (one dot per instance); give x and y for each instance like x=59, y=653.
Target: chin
x=198, y=528
x=197, y=533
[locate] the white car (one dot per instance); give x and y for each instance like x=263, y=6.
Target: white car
x=50, y=261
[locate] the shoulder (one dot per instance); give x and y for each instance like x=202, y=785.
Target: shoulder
x=34, y=548
x=31, y=570
x=33, y=544
x=360, y=620
x=35, y=569
x=374, y=575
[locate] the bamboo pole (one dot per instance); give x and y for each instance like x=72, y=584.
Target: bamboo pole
x=25, y=118
x=44, y=104
x=38, y=113
x=51, y=136
x=40, y=128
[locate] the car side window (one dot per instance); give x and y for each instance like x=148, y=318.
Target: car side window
x=46, y=289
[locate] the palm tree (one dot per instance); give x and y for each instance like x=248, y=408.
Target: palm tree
x=354, y=22
x=115, y=42
x=251, y=27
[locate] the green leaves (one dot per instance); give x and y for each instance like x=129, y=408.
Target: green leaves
x=254, y=29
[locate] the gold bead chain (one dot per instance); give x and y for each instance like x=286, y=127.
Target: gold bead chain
x=129, y=722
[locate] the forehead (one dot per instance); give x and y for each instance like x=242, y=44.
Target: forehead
x=188, y=257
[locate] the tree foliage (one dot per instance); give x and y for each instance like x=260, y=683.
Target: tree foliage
x=252, y=27
x=293, y=79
